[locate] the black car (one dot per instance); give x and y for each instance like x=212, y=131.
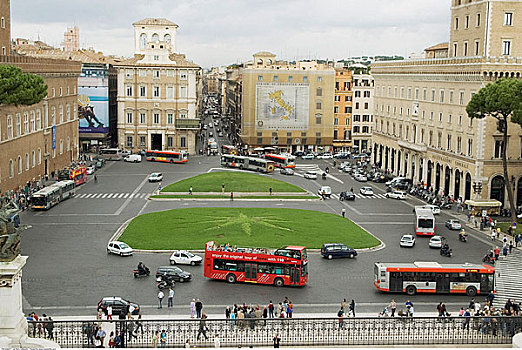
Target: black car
x=173, y=272
x=337, y=250
x=348, y=195
x=299, y=153
x=119, y=305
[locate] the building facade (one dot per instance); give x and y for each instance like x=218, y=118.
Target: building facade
x=363, y=109
x=422, y=130
x=342, y=137
x=285, y=105
x=157, y=92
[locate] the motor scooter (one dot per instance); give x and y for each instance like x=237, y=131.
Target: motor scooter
x=448, y=252
x=324, y=176
x=163, y=282
x=489, y=258
x=141, y=273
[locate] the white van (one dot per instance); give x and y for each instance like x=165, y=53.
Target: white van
x=134, y=158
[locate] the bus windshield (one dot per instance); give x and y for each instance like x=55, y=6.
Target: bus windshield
x=39, y=200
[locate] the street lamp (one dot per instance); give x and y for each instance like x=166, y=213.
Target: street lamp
x=477, y=188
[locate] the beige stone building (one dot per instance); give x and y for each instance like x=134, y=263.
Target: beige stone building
x=158, y=92
x=343, y=97
x=363, y=109
x=5, y=27
x=421, y=126
x=287, y=105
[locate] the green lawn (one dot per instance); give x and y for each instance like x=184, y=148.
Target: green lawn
x=228, y=196
x=263, y=227
x=234, y=181
x=505, y=225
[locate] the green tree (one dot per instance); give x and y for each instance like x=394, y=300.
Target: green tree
x=19, y=88
x=501, y=100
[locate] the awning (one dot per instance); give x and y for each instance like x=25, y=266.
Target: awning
x=259, y=149
x=483, y=203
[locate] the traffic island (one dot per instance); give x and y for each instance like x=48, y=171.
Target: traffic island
x=191, y=228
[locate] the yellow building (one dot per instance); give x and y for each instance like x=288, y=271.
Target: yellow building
x=342, y=141
x=287, y=105
x=158, y=92
x=422, y=130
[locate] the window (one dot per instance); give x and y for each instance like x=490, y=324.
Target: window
x=478, y=19
x=290, y=78
x=142, y=72
x=508, y=19
x=129, y=90
x=170, y=72
x=467, y=21
x=129, y=117
x=448, y=145
x=142, y=141
x=33, y=159
x=424, y=94
x=451, y=96
x=318, y=118
x=61, y=91
x=61, y=146
x=456, y=23
x=465, y=48
x=143, y=41
x=506, y=47
x=183, y=142
x=477, y=47
x=129, y=73
x=155, y=38
x=26, y=161
x=68, y=112
x=440, y=117
x=156, y=73
x=347, y=109
x=450, y=117
x=318, y=104
x=347, y=121
x=470, y=147
x=19, y=161
x=365, y=105
x=156, y=91
x=356, y=105
x=441, y=96
x=455, y=48
x=319, y=79
x=336, y=109
x=365, y=129
x=18, y=128
x=276, y=78
x=170, y=118
x=347, y=85
x=433, y=95
x=336, y=122
x=499, y=145
x=183, y=115
x=3, y=22
x=39, y=156
x=460, y=120
x=170, y=91
x=337, y=98
x=357, y=94
x=356, y=129
x=367, y=93
x=366, y=118
x=143, y=91
x=170, y=141
x=32, y=123
x=166, y=38
x=182, y=91
x=430, y=140
x=143, y=118
x=129, y=141
x=183, y=75
x=439, y=140
x=461, y=98
x=259, y=78
x=26, y=123
x=156, y=58
x=319, y=92
x=305, y=79
x=68, y=143
x=38, y=119
x=459, y=144
x=357, y=118
x=11, y=168
x=347, y=98
x=61, y=114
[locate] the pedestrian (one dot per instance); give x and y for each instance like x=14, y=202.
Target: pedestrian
x=223, y=188
x=199, y=307
x=109, y=312
x=231, y=196
x=155, y=339
x=393, y=307
x=190, y=190
x=49, y=326
x=117, y=340
x=340, y=315
x=343, y=212
x=517, y=240
x=192, y=308
x=202, y=327
x=277, y=340
x=95, y=178
x=352, y=308
x=493, y=235
x=289, y=309
x=271, y=309
x=99, y=316
x=505, y=251
x=163, y=339
x=217, y=341
x=496, y=251
x=343, y=304
x=139, y=324
x=100, y=335
x=111, y=340
x=510, y=246
x=161, y=295
x=171, y=297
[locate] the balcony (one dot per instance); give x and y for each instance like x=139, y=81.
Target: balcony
x=412, y=146
x=187, y=123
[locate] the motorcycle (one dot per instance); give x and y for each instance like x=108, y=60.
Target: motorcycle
x=447, y=205
x=463, y=238
x=448, y=252
x=324, y=176
x=164, y=282
x=489, y=258
x=141, y=272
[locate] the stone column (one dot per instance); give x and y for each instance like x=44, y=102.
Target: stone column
x=13, y=325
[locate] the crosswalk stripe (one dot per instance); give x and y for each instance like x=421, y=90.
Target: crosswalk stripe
x=105, y=195
x=80, y=195
x=131, y=195
x=121, y=195
x=507, y=280
x=110, y=195
x=126, y=195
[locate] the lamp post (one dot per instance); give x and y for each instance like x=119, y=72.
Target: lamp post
x=477, y=189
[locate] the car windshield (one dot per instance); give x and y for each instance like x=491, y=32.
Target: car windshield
x=124, y=246
x=189, y=254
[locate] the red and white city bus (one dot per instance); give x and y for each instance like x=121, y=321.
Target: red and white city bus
x=167, y=156
x=432, y=277
x=287, y=266
x=424, y=221
x=281, y=161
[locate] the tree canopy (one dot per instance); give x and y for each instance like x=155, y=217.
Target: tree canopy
x=19, y=88
x=501, y=100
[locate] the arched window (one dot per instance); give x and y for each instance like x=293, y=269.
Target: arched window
x=61, y=114
x=11, y=168
x=318, y=104
x=61, y=146
x=68, y=112
x=167, y=38
x=19, y=161
x=68, y=143
x=33, y=159
x=27, y=161
x=39, y=156
x=143, y=41
x=319, y=92
x=53, y=115
x=155, y=38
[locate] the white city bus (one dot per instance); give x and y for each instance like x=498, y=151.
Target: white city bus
x=111, y=153
x=424, y=221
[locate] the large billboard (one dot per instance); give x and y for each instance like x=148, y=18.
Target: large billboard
x=282, y=106
x=93, y=101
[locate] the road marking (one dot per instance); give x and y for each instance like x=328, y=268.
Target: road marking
x=126, y=195
x=128, y=200
x=105, y=195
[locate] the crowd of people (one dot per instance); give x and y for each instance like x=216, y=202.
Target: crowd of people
x=42, y=327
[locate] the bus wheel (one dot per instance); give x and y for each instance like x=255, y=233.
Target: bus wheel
x=411, y=290
x=171, y=161
x=231, y=278
x=278, y=282
x=471, y=291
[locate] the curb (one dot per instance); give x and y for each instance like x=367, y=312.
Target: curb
x=235, y=199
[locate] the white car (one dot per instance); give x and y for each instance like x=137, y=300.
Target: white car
x=407, y=241
x=133, y=158
x=184, y=257
x=434, y=209
x=119, y=248
x=308, y=156
x=396, y=195
x=367, y=191
x=90, y=170
x=436, y=242
x=453, y=224
x=360, y=178
x=220, y=134
x=210, y=125
x=155, y=177
x=325, y=156
x=311, y=175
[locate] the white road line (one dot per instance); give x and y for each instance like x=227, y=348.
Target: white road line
x=105, y=195
x=131, y=195
x=121, y=195
x=126, y=195
x=110, y=195
x=80, y=195
x=88, y=195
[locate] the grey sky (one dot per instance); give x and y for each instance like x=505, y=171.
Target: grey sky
x=220, y=32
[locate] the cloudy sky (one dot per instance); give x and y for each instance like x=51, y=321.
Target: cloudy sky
x=220, y=32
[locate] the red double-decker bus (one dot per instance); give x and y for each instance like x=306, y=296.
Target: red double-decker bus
x=77, y=174
x=281, y=161
x=287, y=266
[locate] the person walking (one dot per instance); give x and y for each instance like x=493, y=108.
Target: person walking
x=202, y=327
x=510, y=246
x=163, y=339
x=161, y=295
x=192, y=308
x=270, y=190
x=393, y=307
x=352, y=308
x=109, y=312
x=277, y=340
x=231, y=196
x=217, y=341
x=190, y=190
x=343, y=212
x=271, y=309
x=223, y=188
x=199, y=307
x=171, y=297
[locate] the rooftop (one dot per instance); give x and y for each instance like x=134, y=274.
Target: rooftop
x=154, y=22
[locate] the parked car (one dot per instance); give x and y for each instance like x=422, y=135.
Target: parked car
x=342, y=155
x=434, y=209
x=299, y=154
x=396, y=195
x=210, y=125
x=99, y=164
x=311, y=175
x=337, y=250
x=119, y=248
x=348, y=195
x=134, y=158
x=287, y=171
x=367, y=191
x=205, y=127
x=360, y=177
x=174, y=273
x=184, y=257
x=453, y=224
x=436, y=242
x=407, y=241
x=119, y=305
x=325, y=191
x=325, y=156
x=220, y=134
x=155, y=177
x=91, y=169
x=308, y=156
x=347, y=169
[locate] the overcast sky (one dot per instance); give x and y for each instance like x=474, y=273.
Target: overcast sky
x=221, y=32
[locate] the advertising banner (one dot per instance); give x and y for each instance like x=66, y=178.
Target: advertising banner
x=282, y=106
x=93, y=102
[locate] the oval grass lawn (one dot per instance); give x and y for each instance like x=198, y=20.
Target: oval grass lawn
x=234, y=182
x=191, y=228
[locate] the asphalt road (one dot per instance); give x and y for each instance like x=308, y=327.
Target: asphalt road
x=68, y=270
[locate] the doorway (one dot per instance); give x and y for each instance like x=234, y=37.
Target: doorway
x=156, y=142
